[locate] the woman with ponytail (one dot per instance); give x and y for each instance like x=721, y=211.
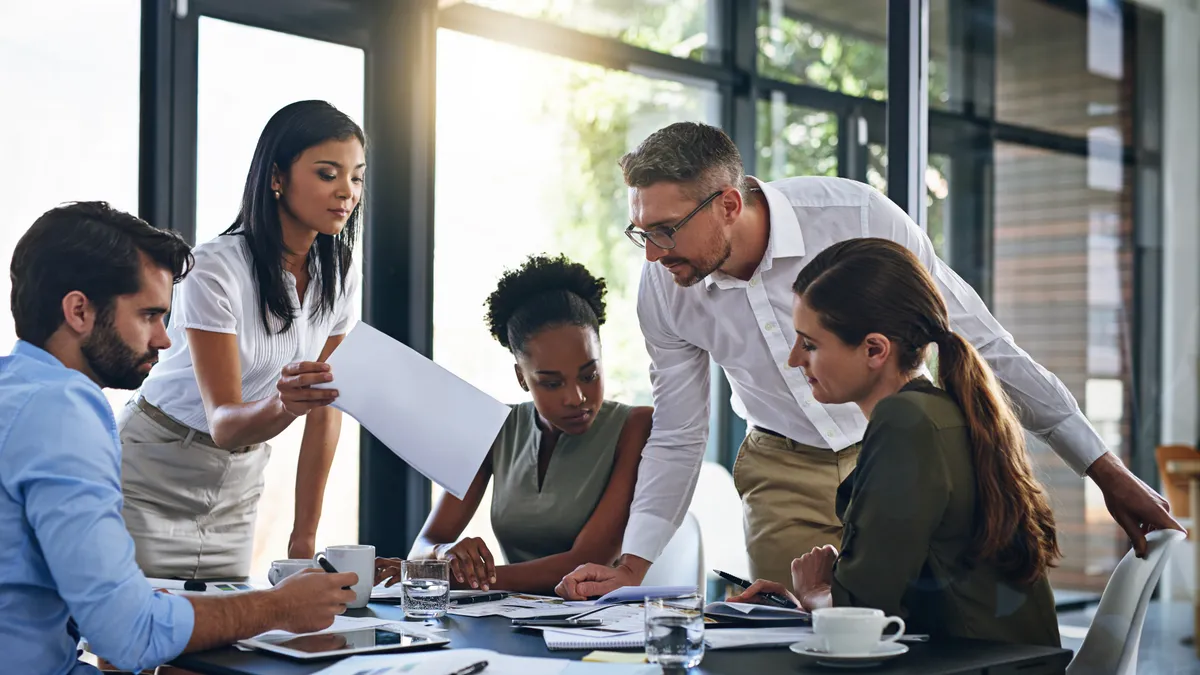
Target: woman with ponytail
x=944, y=521
x=564, y=465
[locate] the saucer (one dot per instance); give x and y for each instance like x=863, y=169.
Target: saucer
x=813, y=647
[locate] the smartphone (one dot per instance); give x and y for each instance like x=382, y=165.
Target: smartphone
x=556, y=623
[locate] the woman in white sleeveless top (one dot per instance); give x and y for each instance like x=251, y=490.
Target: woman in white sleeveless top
x=251, y=326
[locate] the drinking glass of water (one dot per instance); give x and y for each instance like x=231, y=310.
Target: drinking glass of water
x=425, y=588
x=675, y=631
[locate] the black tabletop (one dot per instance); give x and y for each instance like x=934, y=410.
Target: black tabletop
x=495, y=633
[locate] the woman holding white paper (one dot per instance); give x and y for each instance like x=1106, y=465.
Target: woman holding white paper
x=565, y=464
x=251, y=325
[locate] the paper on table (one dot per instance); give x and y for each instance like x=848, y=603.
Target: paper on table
x=747, y=638
x=639, y=593
x=747, y=608
x=448, y=661
x=341, y=623
x=426, y=415
x=520, y=607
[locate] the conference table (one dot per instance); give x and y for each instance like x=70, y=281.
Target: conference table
x=944, y=657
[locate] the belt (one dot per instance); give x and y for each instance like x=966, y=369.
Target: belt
x=763, y=430
x=164, y=420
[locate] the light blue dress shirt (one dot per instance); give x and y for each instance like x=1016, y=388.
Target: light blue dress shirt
x=65, y=556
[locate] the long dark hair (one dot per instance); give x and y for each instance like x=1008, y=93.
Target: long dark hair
x=864, y=286
x=294, y=129
x=541, y=293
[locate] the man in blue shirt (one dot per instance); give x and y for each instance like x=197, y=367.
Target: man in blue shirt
x=91, y=289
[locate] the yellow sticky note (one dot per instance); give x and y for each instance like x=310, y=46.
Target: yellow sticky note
x=615, y=657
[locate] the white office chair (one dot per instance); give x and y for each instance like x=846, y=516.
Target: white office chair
x=682, y=561
x=718, y=508
x=1111, y=645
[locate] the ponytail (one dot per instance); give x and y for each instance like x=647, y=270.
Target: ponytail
x=1015, y=526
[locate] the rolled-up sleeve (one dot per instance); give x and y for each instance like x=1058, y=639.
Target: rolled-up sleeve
x=679, y=379
x=1043, y=403
x=62, y=459
x=901, y=488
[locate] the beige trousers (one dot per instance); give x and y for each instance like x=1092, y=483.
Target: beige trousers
x=789, y=496
x=189, y=506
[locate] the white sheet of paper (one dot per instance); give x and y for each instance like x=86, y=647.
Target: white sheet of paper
x=734, y=638
x=344, y=623
x=432, y=419
x=446, y=661
x=519, y=606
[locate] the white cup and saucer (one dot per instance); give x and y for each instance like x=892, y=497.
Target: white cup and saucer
x=851, y=637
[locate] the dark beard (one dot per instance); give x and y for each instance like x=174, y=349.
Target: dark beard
x=710, y=266
x=113, y=362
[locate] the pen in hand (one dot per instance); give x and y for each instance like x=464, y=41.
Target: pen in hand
x=772, y=598
x=328, y=567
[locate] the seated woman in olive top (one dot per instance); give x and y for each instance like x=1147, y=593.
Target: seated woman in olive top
x=944, y=523
x=564, y=464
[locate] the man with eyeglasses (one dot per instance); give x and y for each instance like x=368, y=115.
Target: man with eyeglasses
x=728, y=248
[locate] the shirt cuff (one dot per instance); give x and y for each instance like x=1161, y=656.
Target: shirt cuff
x=647, y=535
x=1077, y=443
x=183, y=622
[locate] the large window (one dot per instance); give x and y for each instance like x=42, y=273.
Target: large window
x=244, y=75
x=78, y=139
x=829, y=44
x=682, y=28
x=535, y=171
x=1063, y=287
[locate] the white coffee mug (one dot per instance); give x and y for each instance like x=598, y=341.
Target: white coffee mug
x=282, y=569
x=360, y=559
x=853, y=630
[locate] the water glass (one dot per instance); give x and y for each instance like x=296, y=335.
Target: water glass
x=425, y=588
x=675, y=631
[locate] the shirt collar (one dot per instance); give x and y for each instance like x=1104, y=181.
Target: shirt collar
x=23, y=348
x=785, y=241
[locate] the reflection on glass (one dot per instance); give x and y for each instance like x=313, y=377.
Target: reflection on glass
x=75, y=139
x=240, y=85
x=536, y=171
x=1062, y=70
x=795, y=141
x=834, y=45
x=937, y=194
x=1063, y=280
x=676, y=27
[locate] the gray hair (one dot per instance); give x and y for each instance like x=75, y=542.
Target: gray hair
x=699, y=157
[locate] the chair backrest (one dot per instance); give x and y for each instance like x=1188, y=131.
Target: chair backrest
x=682, y=561
x=1111, y=645
x=718, y=507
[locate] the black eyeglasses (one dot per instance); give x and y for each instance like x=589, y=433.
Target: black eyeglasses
x=664, y=237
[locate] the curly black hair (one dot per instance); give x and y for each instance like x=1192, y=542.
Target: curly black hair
x=544, y=292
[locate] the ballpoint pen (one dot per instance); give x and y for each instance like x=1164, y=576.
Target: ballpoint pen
x=484, y=597
x=328, y=567
x=772, y=598
x=471, y=669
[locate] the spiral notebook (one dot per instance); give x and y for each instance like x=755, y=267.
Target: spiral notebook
x=556, y=641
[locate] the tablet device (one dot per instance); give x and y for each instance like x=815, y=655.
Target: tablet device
x=346, y=643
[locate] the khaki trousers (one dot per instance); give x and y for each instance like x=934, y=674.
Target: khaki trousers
x=789, y=496
x=189, y=506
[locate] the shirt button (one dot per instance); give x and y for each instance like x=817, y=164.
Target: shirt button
x=753, y=282
x=769, y=326
x=831, y=433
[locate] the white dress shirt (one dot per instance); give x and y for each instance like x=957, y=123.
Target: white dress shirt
x=747, y=329
x=220, y=295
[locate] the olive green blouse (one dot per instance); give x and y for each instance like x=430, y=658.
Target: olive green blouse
x=909, y=510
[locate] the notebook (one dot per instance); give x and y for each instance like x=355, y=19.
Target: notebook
x=556, y=641
x=640, y=593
